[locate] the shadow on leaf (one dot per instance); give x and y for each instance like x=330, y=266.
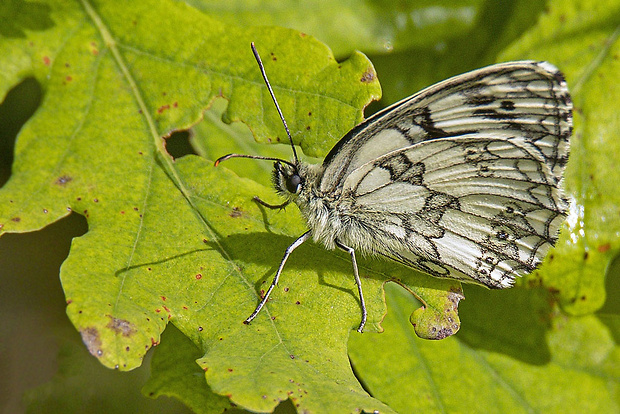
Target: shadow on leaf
x=20, y=16
x=513, y=322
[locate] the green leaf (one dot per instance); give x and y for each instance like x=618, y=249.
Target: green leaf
x=212, y=138
x=183, y=242
x=377, y=26
x=544, y=362
x=583, y=41
x=117, y=77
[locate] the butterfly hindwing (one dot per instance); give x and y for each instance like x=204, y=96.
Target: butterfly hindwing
x=473, y=208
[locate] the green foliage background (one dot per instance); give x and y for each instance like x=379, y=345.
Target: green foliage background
x=550, y=344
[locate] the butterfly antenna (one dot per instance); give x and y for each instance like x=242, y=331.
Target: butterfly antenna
x=275, y=101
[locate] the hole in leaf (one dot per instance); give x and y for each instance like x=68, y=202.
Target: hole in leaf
x=177, y=144
x=18, y=106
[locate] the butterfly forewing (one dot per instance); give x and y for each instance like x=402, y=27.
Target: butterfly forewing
x=525, y=102
x=460, y=180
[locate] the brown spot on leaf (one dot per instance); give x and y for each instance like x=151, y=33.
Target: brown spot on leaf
x=121, y=326
x=90, y=337
x=162, y=108
x=368, y=76
x=443, y=333
x=63, y=180
x=46, y=60
x=16, y=219
x=236, y=212
x=604, y=247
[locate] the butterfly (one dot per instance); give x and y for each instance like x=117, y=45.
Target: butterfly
x=462, y=180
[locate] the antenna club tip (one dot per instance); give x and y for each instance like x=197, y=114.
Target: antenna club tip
x=219, y=160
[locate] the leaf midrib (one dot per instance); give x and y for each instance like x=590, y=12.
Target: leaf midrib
x=159, y=146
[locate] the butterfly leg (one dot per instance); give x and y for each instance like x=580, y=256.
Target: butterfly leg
x=271, y=206
x=287, y=253
x=351, y=251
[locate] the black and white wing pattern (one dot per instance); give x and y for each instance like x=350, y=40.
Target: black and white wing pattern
x=461, y=180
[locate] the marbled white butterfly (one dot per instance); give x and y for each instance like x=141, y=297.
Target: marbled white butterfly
x=461, y=180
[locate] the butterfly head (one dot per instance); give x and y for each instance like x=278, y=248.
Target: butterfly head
x=287, y=179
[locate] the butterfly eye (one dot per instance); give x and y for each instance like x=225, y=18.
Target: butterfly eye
x=292, y=183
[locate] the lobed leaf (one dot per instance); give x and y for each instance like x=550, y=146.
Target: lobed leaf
x=183, y=242
x=497, y=366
